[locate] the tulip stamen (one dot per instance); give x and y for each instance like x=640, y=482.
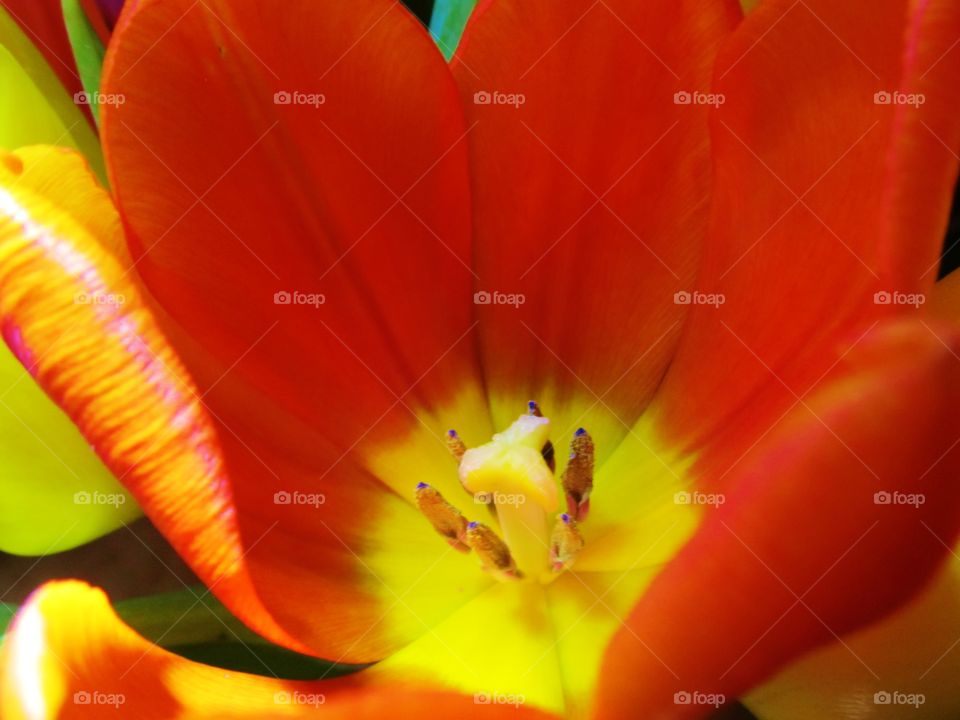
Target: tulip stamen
x=455, y=445
x=493, y=552
x=514, y=476
x=578, y=475
x=445, y=518
x=549, y=456
x=565, y=542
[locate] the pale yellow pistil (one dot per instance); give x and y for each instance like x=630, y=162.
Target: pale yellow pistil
x=513, y=474
x=510, y=470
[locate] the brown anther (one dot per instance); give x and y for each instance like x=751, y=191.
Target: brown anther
x=455, y=445
x=493, y=552
x=534, y=409
x=565, y=543
x=549, y=456
x=445, y=518
x=578, y=475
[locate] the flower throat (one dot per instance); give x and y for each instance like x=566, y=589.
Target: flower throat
x=513, y=476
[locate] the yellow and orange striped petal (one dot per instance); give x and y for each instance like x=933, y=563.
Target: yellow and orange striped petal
x=68, y=655
x=57, y=492
x=70, y=310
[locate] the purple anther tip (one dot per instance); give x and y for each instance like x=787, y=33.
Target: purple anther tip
x=580, y=432
x=422, y=485
x=565, y=518
x=472, y=525
x=452, y=433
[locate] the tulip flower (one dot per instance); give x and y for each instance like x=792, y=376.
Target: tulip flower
x=590, y=373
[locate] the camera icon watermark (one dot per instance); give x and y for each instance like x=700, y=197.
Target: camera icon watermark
x=84, y=497
x=295, y=497
x=884, y=497
x=695, y=697
x=95, y=697
x=500, y=498
x=99, y=98
x=484, y=297
x=98, y=298
x=499, y=698
x=284, y=297
x=684, y=497
x=683, y=297
x=295, y=697
x=295, y=97
x=884, y=97
x=896, y=697
x=884, y=297
x=685, y=97
x=495, y=97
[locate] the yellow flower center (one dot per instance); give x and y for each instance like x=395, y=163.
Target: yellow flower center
x=513, y=476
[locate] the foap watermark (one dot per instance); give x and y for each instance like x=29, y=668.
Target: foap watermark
x=499, y=698
x=695, y=697
x=495, y=97
x=296, y=297
x=95, y=697
x=698, y=298
x=96, y=497
x=696, y=497
x=285, y=697
x=295, y=497
x=885, y=497
x=99, y=98
x=484, y=297
x=295, y=97
x=884, y=97
x=500, y=498
x=685, y=97
x=884, y=297
x=896, y=697
x=98, y=298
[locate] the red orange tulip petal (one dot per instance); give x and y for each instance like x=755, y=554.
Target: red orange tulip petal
x=804, y=549
x=292, y=206
x=834, y=155
x=73, y=315
x=304, y=224
x=68, y=655
x=590, y=189
x=908, y=657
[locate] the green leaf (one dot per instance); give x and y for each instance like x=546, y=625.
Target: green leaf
x=194, y=624
x=446, y=25
x=7, y=611
x=88, y=51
